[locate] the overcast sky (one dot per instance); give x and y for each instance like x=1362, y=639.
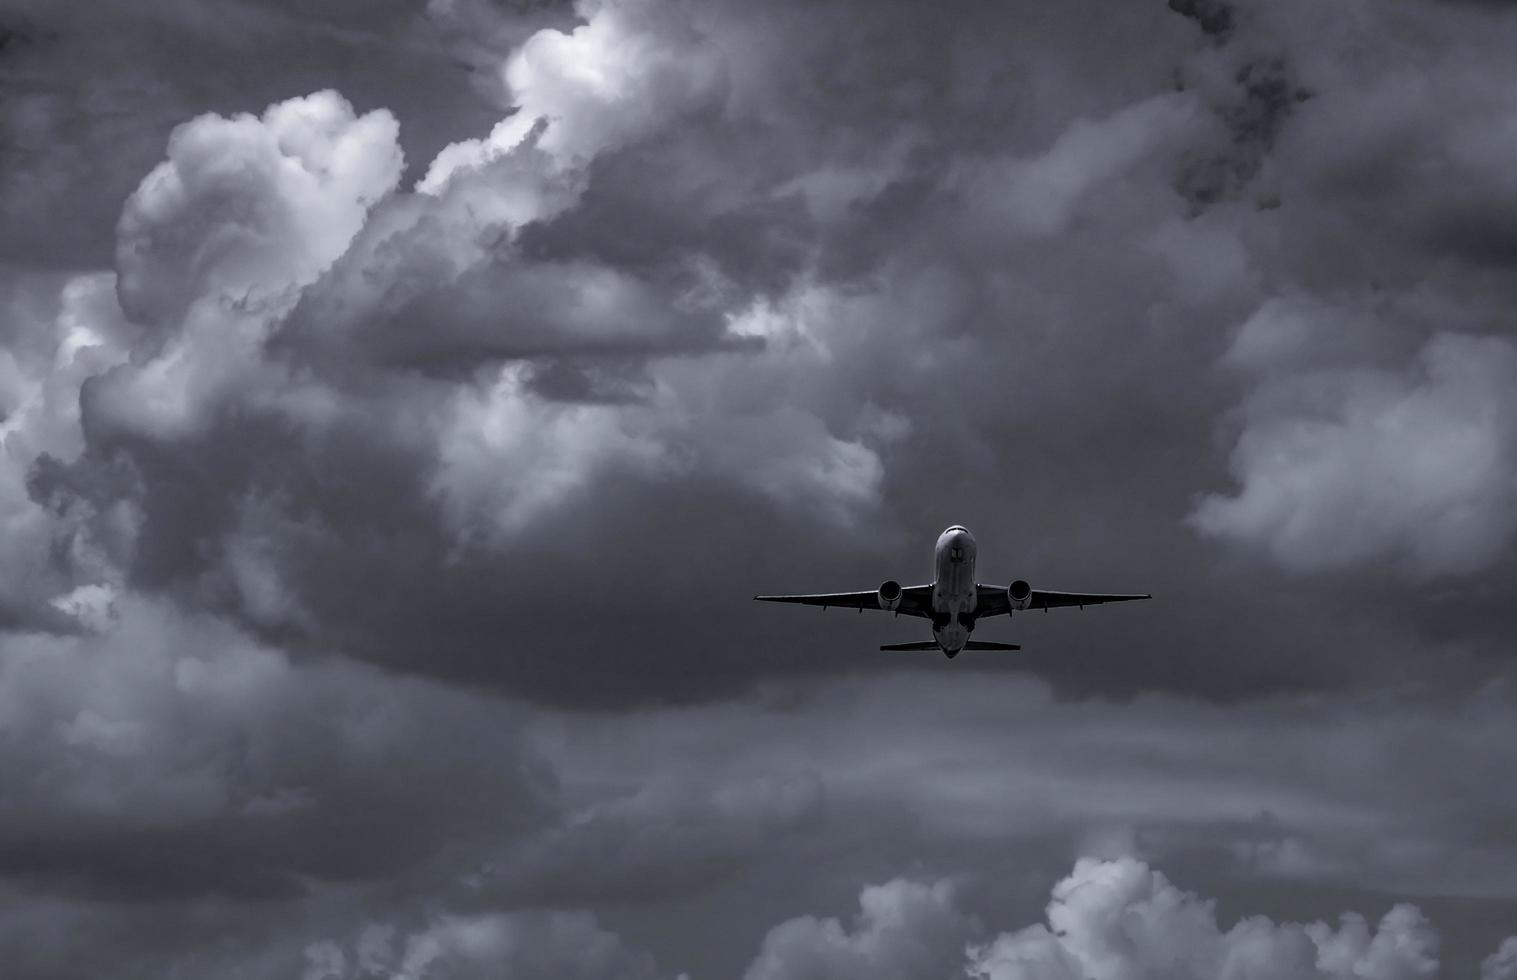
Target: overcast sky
x=400, y=401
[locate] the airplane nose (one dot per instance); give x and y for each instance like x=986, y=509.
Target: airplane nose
x=956, y=541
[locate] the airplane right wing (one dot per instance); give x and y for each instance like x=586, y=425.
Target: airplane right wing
x=993, y=600
x=916, y=600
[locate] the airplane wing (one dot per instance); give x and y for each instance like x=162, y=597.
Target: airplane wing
x=993, y=601
x=916, y=600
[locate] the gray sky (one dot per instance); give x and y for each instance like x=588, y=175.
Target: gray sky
x=401, y=400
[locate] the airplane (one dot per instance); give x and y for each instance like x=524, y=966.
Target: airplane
x=953, y=601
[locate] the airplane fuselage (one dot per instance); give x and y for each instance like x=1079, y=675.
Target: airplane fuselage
x=954, y=593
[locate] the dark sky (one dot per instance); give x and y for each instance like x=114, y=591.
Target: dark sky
x=401, y=400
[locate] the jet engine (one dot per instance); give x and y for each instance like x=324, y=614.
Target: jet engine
x=890, y=595
x=1020, y=594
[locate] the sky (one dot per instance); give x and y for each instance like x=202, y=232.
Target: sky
x=401, y=400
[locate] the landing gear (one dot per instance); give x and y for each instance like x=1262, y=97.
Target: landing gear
x=941, y=621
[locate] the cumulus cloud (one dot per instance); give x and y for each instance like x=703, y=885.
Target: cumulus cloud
x=94, y=89
x=1107, y=920
x=246, y=206
x=631, y=67
x=1502, y=964
x=904, y=929
x=54, y=548
x=216, y=243
x=733, y=297
x=1343, y=464
x=1121, y=920
x=274, y=279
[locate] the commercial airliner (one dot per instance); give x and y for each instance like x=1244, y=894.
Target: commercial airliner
x=953, y=601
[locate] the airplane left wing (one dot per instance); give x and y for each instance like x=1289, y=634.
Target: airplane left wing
x=916, y=600
x=993, y=600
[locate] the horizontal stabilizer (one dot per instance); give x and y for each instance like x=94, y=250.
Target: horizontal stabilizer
x=971, y=645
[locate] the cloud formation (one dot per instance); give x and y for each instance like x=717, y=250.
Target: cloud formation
x=1345, y=463
x=1107, y=920
x=171, y=756
x=532, y=945
x=1121, y=920
x=904, y=929
x=399, y=403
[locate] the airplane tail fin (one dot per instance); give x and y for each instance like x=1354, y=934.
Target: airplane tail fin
x=990, y=645
x=925, y=645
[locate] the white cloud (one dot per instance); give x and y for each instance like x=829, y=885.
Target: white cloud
x=506, y=456
x=1502, y=964
x=217, y=242
x=631, y=67
x=52, y=551
x=1121, y=920
x=245, y=207
x=1107, y=920
x=904, y=930
x=1343, y=462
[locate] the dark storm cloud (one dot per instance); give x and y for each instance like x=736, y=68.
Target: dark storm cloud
x=502, y=361
x=662, y=805
x=1285, y=789
x=172, y=757
x=1214, y=17
x=376, y=431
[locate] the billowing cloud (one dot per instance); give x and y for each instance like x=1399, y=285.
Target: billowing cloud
x=905, y=929
x=54, y=547
x=1502, y=964
x=1107, y=920
x=247, y=206
x=399, y=403
x=631, y=67
x=1121, y=920
x=1344, y=464
x=216, y=243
